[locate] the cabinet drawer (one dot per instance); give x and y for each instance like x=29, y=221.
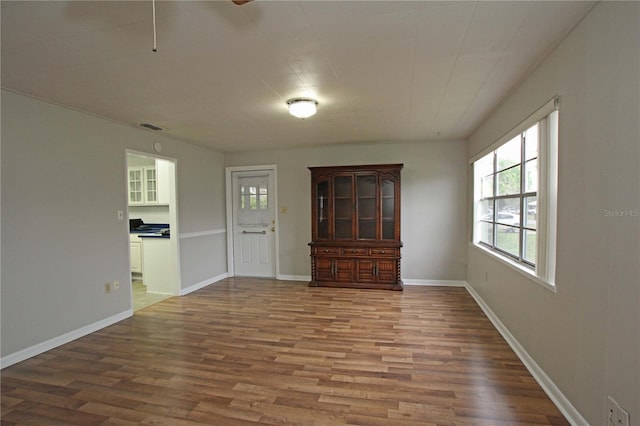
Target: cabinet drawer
x=326, y=250
x=354, y=251
x=383, y=252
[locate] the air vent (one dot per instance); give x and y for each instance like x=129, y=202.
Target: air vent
x=150, y=126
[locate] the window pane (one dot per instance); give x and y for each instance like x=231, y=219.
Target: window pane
x=509, y=211
x=509, y=153
x=531, y=175
x=530, y=246
x=509, y=181
x=487, y=187
x=508, y=239
x=486, y=232
x=485, y=210
x=484, y=166
x=531, y=142
x=342, y=186
x=530, y=219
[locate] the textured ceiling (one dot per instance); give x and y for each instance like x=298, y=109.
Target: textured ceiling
x=382, y=71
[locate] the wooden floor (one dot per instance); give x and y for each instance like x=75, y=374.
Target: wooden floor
x=247, y=351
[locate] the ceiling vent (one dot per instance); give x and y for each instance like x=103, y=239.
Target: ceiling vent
x=150, y=126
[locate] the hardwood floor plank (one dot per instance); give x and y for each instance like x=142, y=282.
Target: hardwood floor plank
x=255, y=351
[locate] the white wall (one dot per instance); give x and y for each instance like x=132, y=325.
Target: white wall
x=433, y=208
x=150, y=214
x=63, y=180
x=586, y=337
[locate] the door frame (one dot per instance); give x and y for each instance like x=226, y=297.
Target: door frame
x=173, y=217
x=229, y=200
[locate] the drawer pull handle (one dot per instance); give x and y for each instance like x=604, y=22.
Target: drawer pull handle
x=382, y=252
x=326, y=250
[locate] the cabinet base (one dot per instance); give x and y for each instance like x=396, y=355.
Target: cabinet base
x=378, y=286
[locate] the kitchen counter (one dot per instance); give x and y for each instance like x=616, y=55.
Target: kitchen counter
x=152, y=230
x=151, y=255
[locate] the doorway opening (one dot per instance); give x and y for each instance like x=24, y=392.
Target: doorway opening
x=252, y=223
x=153, y=231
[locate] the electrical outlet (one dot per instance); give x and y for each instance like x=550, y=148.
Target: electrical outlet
x=116, y=285
x=107, y=287
x=622, y=417
x=612, y=411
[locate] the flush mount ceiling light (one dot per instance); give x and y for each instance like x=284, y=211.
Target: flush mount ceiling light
x=302, y=107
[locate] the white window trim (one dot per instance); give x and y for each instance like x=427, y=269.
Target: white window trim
x=545, y=270
x=516, y=266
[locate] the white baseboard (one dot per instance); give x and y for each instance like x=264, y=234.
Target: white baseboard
x=443, y=283
x=39, y=348
x=306, y=278
x=564, y=405
x=202, y=284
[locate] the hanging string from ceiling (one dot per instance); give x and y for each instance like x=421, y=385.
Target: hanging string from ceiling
x=155, y=38
x=155, y=47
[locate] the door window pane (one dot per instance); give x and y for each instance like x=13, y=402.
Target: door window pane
x=388, y=230
x=343, y=186
x=322, y=192
x=367, y=229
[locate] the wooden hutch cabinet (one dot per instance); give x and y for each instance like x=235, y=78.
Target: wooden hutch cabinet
x=356, y=226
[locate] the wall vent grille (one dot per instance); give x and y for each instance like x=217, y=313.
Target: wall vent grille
x=150, y=126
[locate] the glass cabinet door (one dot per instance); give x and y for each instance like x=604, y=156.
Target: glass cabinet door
x=151, y=185
x=387, y=199
x=135, y=186
x=322, y=212
x=343, y=205
x=366, y=207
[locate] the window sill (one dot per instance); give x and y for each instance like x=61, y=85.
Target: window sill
x=528, y=273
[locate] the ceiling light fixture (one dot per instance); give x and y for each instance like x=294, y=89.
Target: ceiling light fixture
x=302, y=107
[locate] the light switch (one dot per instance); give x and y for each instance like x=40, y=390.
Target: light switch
x=120, y=214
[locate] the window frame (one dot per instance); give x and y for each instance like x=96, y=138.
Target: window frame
x=520, y=196
x=546, y=196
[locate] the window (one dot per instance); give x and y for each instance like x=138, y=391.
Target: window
x=515, y=194
x=253, y=197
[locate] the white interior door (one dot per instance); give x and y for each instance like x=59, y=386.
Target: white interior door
x=253, y=223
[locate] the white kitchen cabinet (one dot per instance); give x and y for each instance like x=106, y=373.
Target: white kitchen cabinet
x=158, y=269
x=149, y=185
x=135, y=253
x=164, y=177
x=136, y=186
